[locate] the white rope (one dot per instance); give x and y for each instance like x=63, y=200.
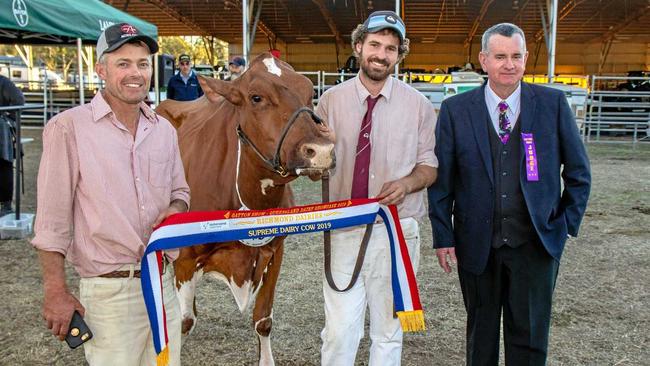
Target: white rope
x=241, y=202
x=256, y=242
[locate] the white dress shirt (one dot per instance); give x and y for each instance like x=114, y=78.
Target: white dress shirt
x=492, y=101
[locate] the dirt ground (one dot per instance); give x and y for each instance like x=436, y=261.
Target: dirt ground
x=601, y=314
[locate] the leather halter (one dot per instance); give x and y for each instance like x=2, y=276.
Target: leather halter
x=276, y=164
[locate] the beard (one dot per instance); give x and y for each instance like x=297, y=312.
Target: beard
x=371, y=72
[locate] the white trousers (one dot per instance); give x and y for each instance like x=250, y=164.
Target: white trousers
x=117, y=317
x=345, y=312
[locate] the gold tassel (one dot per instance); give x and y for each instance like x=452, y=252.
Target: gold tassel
x=163, y=357
x=412, y=321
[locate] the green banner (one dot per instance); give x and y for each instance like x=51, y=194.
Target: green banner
x=42, y=21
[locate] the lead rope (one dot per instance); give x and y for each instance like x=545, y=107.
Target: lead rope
x=327, y=247
x=241, y=202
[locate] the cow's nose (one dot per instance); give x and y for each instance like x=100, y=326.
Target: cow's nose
x=319, y=156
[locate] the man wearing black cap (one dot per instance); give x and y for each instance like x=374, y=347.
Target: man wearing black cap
x=384, y=149
x=184, y=86
x=110, y=172
x=236, y=67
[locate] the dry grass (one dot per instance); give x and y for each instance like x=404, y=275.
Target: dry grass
x=602, y=302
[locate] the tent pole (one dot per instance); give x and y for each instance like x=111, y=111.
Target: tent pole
x=45, y=82
x=156, y=80
x=80, y=72
x=19, y=163
x=91, y=65
x=32, y=70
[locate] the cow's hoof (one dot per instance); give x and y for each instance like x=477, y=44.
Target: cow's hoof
x=187, y=326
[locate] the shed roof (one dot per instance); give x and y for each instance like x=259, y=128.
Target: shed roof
x=440, y=21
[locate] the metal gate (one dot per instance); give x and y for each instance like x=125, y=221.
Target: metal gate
x=618, y=110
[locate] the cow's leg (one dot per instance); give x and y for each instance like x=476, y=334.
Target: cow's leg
x=263, y=312
x=187, y=277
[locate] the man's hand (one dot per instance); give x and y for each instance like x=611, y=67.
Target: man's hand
x=58, y=303
x=443, y=261
x=177, y=206
x=393, y=193
x=58, y=307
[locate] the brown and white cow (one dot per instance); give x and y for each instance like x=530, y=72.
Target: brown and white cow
x=261, y=102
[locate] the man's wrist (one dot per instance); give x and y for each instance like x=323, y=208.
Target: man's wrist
x=55, y=287
x=54, y=282
x=53, y=270
x=179, y=205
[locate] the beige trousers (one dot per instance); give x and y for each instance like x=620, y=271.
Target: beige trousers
x=345, y=312
x=117, y=317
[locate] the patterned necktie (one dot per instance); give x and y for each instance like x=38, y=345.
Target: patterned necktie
x=504, y=123
x=362, y=160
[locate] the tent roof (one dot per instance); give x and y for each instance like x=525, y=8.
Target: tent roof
x=61, y=21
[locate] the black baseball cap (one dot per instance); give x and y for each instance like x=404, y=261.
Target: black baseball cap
x=117, y=35
x=385, y=19
x=184, y=57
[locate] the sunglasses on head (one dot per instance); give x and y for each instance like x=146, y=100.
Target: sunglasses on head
x=185, y=63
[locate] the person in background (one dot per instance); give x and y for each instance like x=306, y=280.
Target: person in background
x=184, y=85
x=384, y=149
x=236, y=67
x=513, y=184
x=110, y=172
x=9, y=95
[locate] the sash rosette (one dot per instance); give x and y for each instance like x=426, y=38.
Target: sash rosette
x=193, y=228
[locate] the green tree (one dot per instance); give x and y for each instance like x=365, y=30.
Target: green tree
x=203, y=50
x=58, y=59
x=174, y=46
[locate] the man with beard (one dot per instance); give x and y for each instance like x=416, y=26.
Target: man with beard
x=385, y=143
x=236, y=67
x=110, y=172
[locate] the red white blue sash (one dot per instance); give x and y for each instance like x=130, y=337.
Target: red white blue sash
x=193, y=228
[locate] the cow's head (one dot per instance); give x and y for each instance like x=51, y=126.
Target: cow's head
x=271, y=98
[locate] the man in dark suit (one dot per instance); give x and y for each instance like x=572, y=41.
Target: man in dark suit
x=501, y=150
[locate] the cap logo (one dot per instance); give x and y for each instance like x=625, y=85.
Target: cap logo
x=128, y=29
x=390, y=19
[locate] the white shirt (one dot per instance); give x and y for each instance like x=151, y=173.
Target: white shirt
x=492, y=101
x=186, y=78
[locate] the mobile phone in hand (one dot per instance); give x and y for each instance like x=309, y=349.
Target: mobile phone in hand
x=78, y=332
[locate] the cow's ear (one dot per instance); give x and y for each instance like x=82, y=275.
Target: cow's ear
x=214, y=89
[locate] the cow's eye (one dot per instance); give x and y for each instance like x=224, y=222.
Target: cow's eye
x=256, y=98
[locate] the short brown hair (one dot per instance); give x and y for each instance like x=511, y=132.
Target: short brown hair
x=359, y=36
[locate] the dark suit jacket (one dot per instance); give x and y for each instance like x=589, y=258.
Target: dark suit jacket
x=465, y=184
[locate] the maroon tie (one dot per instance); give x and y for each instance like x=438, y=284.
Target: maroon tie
x=362, y=160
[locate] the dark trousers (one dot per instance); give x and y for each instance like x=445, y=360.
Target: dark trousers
x=6, y=181
x=520, y=281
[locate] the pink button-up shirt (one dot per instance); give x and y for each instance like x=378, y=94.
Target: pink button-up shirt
x=99, y=190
